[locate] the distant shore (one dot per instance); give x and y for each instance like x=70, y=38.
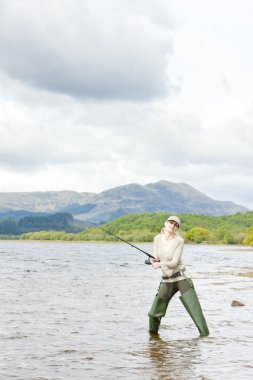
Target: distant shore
x=248, y=274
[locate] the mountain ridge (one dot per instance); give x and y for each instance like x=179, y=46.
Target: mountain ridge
x=161, y=196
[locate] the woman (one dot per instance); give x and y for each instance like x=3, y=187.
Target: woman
x=168, y=249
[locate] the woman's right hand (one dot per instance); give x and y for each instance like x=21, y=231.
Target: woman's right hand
x=156, y=263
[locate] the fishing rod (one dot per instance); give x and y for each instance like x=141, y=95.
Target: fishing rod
x=148, y=262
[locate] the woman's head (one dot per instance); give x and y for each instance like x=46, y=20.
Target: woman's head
x=174, y=220
x=171, y=225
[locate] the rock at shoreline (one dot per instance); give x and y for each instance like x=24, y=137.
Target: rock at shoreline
x=237, y=303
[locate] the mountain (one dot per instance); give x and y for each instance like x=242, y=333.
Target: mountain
x=42, y=201
x=161, y=196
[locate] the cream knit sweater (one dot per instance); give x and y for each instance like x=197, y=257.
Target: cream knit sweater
x=169, y=253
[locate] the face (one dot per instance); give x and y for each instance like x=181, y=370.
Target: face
x=171, y=225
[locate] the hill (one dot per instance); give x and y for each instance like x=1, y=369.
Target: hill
x=227, y=229
x=162, y=196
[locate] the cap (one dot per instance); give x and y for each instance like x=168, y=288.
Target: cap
x=175, y=219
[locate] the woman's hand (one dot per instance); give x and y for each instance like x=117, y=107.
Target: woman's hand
x=156, y=263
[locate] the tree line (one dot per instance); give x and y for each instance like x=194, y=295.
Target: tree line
x=56, y=222
x=226, y=229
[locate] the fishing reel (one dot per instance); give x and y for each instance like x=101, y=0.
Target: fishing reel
x=148, y=262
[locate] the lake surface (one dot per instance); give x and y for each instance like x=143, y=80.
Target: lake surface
x=79, y=311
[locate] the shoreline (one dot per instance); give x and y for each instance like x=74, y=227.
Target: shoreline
x=247, y=274
x=238, y=247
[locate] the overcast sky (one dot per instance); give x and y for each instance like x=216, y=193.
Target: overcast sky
x=96, y=94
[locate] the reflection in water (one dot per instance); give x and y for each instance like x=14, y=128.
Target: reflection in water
x=172, y=359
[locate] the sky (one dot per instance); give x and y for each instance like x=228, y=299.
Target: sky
x=96, y=94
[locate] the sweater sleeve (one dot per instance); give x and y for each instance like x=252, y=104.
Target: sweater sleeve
x=174, y=262
x=155, y=246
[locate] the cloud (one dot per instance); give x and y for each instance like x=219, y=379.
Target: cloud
x=133, y=134
x=88, y=49
x=97, y=94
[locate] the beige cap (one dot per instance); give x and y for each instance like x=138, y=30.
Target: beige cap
x=175, y=219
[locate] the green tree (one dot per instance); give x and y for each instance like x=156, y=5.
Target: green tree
x=224, y=235
x=197, y=235
x=8, y=226
x=248, y=240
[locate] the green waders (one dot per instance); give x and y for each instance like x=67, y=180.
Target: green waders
x=189, y=299
x=191, y=302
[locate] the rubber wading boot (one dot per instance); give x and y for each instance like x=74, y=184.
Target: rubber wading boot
x=154, y=324
x=191, y=303
x=156, y=313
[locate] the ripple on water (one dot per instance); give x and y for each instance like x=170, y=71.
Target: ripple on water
x=79, y=311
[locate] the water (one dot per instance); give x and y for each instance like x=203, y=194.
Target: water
x=79, y=311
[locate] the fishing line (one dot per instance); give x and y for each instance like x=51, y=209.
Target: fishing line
x=125, y=241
